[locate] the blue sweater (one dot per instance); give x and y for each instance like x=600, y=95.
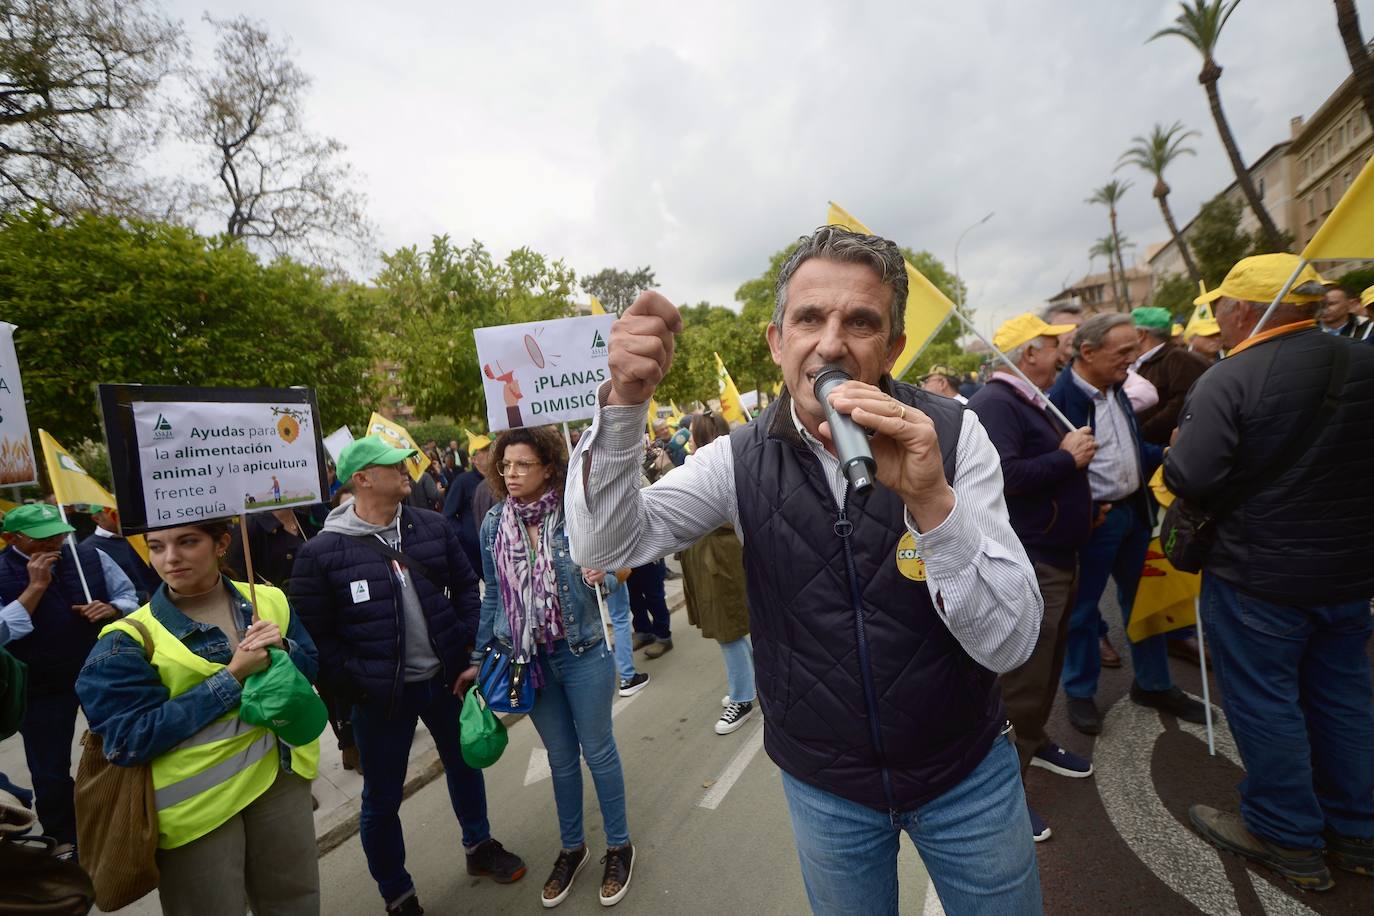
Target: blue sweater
x=1047, y=494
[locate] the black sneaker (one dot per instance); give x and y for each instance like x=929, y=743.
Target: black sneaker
x=410, y=906
x=565, y=869
x=634, y=685
x=733, y=717
x=490, y=860
x=1351, y=853
x=1301, y=867
x=1083, y=715
x=1173, y=701
x=615, y=880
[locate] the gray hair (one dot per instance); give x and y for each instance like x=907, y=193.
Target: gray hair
x=836, y=243
x=1015, y=353
x=1092, y=332
x=1066, y=308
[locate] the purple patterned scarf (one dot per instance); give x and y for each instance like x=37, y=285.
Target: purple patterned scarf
x=529, y=591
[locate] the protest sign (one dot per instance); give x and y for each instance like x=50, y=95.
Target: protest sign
x=181, y=455
x=397, y=436
x=334, y=442
x=545, y=371
x=17, y=464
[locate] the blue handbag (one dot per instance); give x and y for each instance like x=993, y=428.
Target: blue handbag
x=505, y=684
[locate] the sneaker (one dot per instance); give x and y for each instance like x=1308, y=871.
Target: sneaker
x=658, y=647
x=640, y=640
x=725, y=701
x=1173, y=701
x=565, y=869
x=615, y=880
x=1083, y=715
x=410, y=906
x=490, y=860
x=1350, y=853
x=1054, y=758
x=1301, y=867
x=733, y=717
x=1040, y=831
x=634, y=685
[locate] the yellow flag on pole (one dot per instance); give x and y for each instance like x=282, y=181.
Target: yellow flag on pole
x=1166, y=598
x=71, y=484
x=730, y=406
x=927, y=309
x=597, y=308
x=395, y=435
x=1349, y=231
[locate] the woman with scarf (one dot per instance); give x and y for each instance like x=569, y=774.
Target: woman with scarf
x=537, y=607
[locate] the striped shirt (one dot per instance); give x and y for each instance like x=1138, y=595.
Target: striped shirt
x=1114, y=472
x=979, y=577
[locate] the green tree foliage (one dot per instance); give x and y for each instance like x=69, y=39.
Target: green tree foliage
x=1176, y=293
x=616, y=289
x=1359, y=280
x=434, y=299
x=1217, y=239
x=100, y=300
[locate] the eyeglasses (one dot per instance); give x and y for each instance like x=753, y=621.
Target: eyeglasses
x=518, y=468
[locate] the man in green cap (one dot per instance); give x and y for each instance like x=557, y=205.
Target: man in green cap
x=390, y=599
x=52, y=617
x=1172, y=369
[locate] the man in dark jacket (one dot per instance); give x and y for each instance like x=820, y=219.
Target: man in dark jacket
x=1287, y=583
x=38, y=577
x=108, y=540
x=458, y=500
x=879, y=617
x=1172, y=369
x=1045, y=481
x=1089, y=392
x=391, y=602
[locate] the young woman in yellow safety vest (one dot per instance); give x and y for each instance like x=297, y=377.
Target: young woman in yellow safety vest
x=233, y=802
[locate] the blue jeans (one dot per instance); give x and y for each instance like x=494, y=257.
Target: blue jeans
x=1117, y=549
x=1296, y=688
x=648, y=603
x=739, y=669
x=384, y=746
x=48, y=727
x=572, y=714
x=975, y=841
x=618, y=609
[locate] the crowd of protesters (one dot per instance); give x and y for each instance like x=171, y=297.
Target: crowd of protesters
x=1004, y=504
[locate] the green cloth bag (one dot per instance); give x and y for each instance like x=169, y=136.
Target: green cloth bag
x=14, y=680
x=481, y=735
x=281, y=700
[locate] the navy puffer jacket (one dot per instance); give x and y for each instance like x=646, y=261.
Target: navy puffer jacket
x=360, y=642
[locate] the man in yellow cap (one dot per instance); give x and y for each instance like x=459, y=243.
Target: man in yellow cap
x=458, y=503
x=1269, y=444
x=943, y=380
x=1045, y=481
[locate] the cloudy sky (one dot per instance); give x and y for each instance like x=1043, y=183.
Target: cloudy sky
x=700, y=138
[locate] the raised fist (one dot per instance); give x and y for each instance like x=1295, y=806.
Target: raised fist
x=641, y=349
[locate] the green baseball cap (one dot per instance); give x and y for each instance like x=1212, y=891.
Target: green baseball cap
x=1153, y=317
x=36, y=520
x=362, y=453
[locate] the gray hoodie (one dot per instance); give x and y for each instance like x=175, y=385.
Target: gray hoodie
x=421, y=663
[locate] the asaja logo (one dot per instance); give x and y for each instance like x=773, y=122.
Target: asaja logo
x=598, y=344
x=162, y=429
x=68, y=463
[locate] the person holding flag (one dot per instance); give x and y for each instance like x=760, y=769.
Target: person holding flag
x=62, y=598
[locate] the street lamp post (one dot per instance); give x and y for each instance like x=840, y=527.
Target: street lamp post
x=959, y=283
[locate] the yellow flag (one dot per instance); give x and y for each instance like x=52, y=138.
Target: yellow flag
x=653, y=416
x=1166, y=598
x=597, y=308
x=1349, y=231
x=1202, y=322
x=71, y=485
x=927, y=309
x=395, y=435
x=730, y=406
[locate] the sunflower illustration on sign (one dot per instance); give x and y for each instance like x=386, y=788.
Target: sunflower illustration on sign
x=289, y=423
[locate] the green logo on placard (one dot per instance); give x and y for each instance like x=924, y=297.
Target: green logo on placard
x=597, y=341
x=162, y=429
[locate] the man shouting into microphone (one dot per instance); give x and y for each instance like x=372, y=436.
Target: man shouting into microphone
x=879, y=618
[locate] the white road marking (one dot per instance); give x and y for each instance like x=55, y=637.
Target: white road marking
x=733, y=770
x=538, y=768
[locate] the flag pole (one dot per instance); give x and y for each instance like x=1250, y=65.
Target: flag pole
x=567, y=439
x=1273, y=306
x=1049, y=405
x=71, y=542
x=1202, y=663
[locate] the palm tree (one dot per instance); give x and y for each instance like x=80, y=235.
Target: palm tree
x=1200, y=25
x=1109, y=247
x=1361, y=64
x=1154, y=154
x=1110, y=195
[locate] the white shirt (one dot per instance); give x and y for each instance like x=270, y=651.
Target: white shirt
x=1114, y=472
x=980, y=580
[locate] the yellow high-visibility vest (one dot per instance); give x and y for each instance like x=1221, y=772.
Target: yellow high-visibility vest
x=221, y=769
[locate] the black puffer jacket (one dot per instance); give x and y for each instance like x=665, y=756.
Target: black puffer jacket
x=1304, y=539
x=360, y=641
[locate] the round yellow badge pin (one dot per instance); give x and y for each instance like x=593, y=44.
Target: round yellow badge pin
x=909, y=562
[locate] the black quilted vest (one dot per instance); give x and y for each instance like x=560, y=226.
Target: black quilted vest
x=865, y=693
x=61, y=639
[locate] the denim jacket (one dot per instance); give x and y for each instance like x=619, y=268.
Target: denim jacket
x=127, y=705
x=581, y=616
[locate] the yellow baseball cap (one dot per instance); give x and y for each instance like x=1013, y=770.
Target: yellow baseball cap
x=1024, y=328
x=1261, y=277
x=1367, y=297
x=1204, y=327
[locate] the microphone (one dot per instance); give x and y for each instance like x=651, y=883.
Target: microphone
x=851, y=443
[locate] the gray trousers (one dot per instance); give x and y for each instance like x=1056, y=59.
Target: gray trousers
x=264, y=856
x=1029, y=690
